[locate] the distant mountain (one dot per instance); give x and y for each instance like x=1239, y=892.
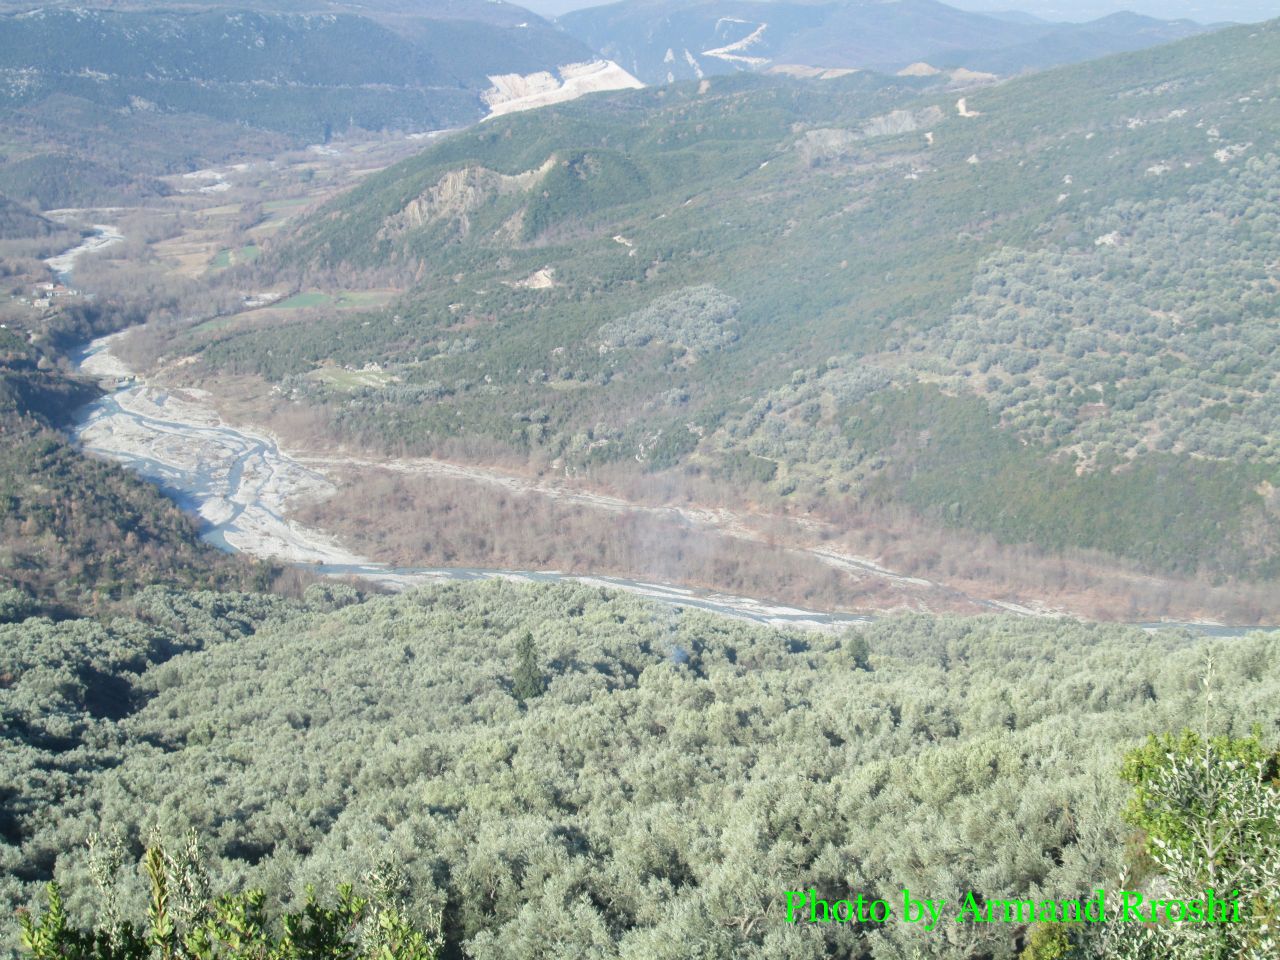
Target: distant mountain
x=1076, y=42
x=304, y=74
x=133, y=90
x=662, y=40
x=1203, y=11
x=1016, y=16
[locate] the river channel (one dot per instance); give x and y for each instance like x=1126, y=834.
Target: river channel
x=241, y=486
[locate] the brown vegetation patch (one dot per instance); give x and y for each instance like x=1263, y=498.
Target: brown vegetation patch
x=441, y=521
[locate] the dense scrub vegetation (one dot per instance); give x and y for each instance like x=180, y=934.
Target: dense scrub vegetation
x=17, y=222
x=697, y=320
x=188, y=923
x=54, y=180
x=949, y=458
x=1150, y=328
x=648, y=787
x=1101, y=276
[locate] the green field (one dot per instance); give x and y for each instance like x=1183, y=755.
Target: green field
x=298, y=301
x=229, y=258
x=275, y=206
x=350, y=379
x=343, y=299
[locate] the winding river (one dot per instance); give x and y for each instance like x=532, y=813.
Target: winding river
x=240, y=484
x=103, y=236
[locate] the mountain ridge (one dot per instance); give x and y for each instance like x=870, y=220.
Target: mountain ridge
x=662, y=40
x=126, y=92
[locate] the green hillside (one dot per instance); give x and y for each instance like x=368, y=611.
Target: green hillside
x=1086, y=254
x=78, y=534
x=665, y=779
x=17, y=222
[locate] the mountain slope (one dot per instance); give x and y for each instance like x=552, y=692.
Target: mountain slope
x=676, y=773
x=95, y=101
x=661, y=40
x=79, y=533
x=17, y=222
x=300, y=74
x=1076, y=43
x=740, y=278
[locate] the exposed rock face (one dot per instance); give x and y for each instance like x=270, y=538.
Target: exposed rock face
x=901, y=121
x=512, y=92
x=456, y=195
x=806, y=72
x=830, y=143
x=919, y=69
x=825, y=143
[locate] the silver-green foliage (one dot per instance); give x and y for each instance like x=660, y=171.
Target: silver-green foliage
x=676, y=775
x=1153, y=327
x=699, y=319
x=187, y=921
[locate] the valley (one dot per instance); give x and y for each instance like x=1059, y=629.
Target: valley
x=253, y=497
x=698, y=525
x=628, y=453
x=460, y=501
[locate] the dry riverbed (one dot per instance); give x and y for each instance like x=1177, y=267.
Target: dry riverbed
x=412, y=520
x=245, y=487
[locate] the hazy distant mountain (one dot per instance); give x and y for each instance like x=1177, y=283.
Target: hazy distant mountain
x=661, y=40
x=1014, y=16
x=93, y=99
x=1203, y=11
x=1077, y=42
x=301, y=73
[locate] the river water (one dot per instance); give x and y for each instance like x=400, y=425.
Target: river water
x=240, y=484
x=104, y=236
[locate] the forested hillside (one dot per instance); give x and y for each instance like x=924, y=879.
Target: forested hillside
x=296, y=73
x=98, y=101
x=561, y=766
x=1038, y=310
x=18, y=222
x=78, y=534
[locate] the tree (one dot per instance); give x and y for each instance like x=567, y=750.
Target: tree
x=1175, y=812
x=1211, y=811
x=186, y=922
x=528, y=681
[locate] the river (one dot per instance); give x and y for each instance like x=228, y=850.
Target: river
x=104, y=236
x=240, y=484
